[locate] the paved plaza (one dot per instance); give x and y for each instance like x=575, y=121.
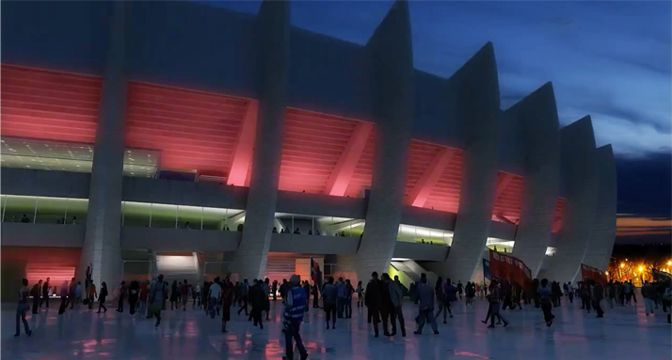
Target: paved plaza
x=623, y=333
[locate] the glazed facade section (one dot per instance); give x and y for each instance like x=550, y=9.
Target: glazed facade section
x=247, y=144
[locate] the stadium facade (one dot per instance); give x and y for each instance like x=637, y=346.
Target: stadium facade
x=192, y=140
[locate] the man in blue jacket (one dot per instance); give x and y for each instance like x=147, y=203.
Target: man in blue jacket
x=295, y=305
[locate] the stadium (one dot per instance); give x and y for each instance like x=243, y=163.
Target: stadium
x=195, y=141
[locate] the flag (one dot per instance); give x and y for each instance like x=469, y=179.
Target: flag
x=486, y=269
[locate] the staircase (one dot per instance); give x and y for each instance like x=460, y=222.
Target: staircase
x=409, y=271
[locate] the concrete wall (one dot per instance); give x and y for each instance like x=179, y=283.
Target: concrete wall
x=578, y=166
x=475, y=93
x=314, y=244
x=538, y=120
x=393, y=94
x=42, y=235
x=45, y=183
x=603, y=236
x=429, y=218
x=186, y=240
x=420, y=252
x=320, y=205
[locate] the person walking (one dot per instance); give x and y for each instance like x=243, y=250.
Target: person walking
x=648, y=295
x=122, y=296
x=329, y=300
x=102, y=296
x=174, y=294
x=396, y=297
x=214, y=295
x=274, y=290
x=244, y=292
x=360, y=294
x=35, y=293
x=373, y=301
x=341, y=296
x=64, y=291
x=133, y=296
x=494, y=303
x=597, y=295
x=295, y=303
x=386, y=307
x=349, y=290
x=157, y=294
x=21, y=309
x=266, y=288
x=450, y=291
x=184, y=294
x=45, y=294
x=257, y=302
x=227, y=301
x=469, y=293
x=425, y=305
x=91, y=294
x=545, y=295
x=441, y=298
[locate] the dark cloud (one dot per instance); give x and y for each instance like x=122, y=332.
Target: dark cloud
x=645, y=185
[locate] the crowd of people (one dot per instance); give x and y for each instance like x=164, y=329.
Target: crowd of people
x=382, y=296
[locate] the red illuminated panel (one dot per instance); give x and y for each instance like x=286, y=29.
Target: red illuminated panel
x=558, y=214
x=312, y=146
x=51, y=105
x=508, y=198
x=281, y=266
x=58, y=264
x=194, y=130
x=420, y=157
x=362, y=178
x=434, y=176
x=445, y=196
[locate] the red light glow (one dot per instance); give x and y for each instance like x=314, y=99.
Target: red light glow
x=44, y=104
x=321, y=153
x=508, y=198
x=194, y=130
x=559, y=214
x=434, y=177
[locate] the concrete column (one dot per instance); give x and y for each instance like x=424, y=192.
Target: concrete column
x=102, y=243
x=538, y=121
x=577, y=152
x=601, y=242
x=391, y=57
x=272, y=37
x=475, y=92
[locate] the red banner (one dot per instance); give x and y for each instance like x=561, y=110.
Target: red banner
x=591, y=273
x=512, y=269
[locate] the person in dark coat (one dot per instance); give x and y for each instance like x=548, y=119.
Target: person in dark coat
x=373, y=301
x=258, y=303
x=102, y=296
x=122, y=296
x=329, y=300
x=227, y=301
x=133, y=295
x=386, y=306
x=45, y=293
x=35, y=293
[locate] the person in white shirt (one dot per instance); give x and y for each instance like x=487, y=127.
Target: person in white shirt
x=215, y=293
